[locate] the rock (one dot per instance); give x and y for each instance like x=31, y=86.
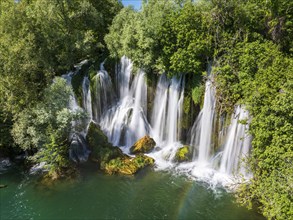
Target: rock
x=101, y=150
x=128, y=165
x=3, y=186
x=183, y=154
x=143, y=145
x=95, y=137
x=78, y=150
x=111, y=159
x=108, y=153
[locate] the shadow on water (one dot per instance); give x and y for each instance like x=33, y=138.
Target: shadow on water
x=93, y=195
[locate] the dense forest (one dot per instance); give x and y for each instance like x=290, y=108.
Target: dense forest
x=248, y=42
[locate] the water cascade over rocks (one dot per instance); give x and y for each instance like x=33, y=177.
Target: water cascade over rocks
x=202, y=135
x=125, y=121
x=238, y=144
x=103, y=93
x=78, y=150
x=122, y=112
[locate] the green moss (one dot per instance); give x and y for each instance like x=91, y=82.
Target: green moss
x=197, y=94
x=77, y=79
x=92, y=72
x=101, y=150
x=127, y=165
x=183, y=154
x=96, y=138
x=186, y=104
x=143, y=145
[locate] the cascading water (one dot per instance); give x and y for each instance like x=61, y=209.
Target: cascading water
x=203, y=128
x=126, y=121
x=103, y=93
x=159, y=113
x=87, y=100
x=166, y=115
x=123, y=118
x=237, y=145
x=224, y=167
x=167, y=110
x=78, y=150
x=123, y=77
x=206, y=127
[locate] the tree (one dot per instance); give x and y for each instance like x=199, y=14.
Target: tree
x=258, y=75
x=45, y=128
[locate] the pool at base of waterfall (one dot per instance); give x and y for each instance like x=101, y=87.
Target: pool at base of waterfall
x=93, y=195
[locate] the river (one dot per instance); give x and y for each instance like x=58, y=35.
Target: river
x=93, y=195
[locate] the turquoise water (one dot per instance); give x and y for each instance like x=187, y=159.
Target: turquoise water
x=148, y=195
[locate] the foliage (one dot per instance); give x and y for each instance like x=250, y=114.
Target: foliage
x=249, y=42
x=6, y=140
x=258, y=75
x=41, y=39
x=101, y=150
x=183, y=154
x=163, y=36
x=45, y=127
x=128, y=165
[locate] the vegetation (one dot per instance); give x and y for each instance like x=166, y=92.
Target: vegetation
x=127, y=165
x=45, y=128
x=183, y=154
x=250, y=43
x=40, y=40
x=144, y=145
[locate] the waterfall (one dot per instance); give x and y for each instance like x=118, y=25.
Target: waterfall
x=165, y=120
x=78, y=150
x=202, y=130
x=167, y=110
x=126, y=122
x=87, y=100
x=103, y=93
x=123, y=77
x=159, y=113
x=237, y=145
x=122, y=115
x=206, y=127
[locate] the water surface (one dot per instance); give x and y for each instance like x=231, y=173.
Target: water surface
x=148, y=195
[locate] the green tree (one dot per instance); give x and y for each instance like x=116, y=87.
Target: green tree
x=41, y=39
x=46, y=126
x=258, y=75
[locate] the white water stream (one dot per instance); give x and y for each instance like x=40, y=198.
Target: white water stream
x=122, y=115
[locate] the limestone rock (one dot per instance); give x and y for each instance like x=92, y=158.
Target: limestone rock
x=128, y=165
x=183, y=154
x=143, y=145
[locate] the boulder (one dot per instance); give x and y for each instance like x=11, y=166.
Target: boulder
x=183, y=154
x=78, y=150
x=128, y=165
x=101, y=150
x=95, y=137
x=143, y=145
x=111, y=159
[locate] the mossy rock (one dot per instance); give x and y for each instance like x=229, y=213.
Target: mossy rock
x=143, y=145
x=101, y=150
x=95, y=137
x=109, y=153
x=77, y=80
x=128, y=165
x=183, y=154
x=111, y=159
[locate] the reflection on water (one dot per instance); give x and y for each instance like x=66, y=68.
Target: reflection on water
x=148, y=195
